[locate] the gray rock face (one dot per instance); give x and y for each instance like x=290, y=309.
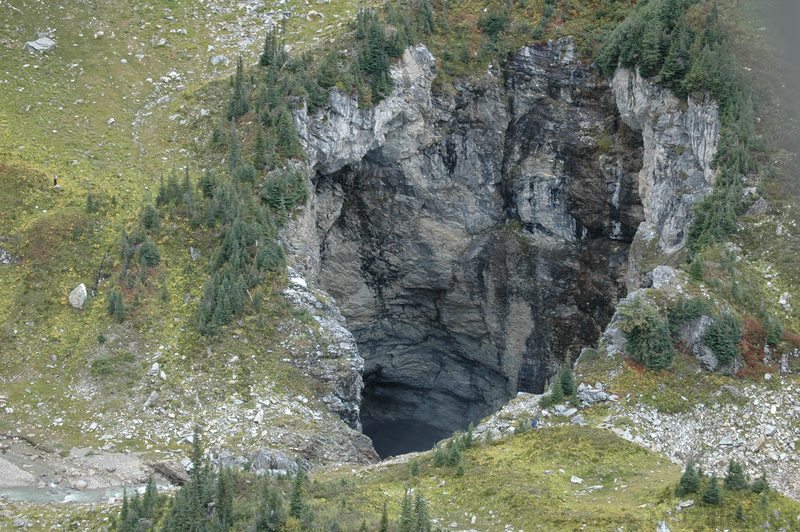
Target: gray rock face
x=679, y=145
x=78, y=296
x=343, y=133
x=340, y=365
x=472, y=236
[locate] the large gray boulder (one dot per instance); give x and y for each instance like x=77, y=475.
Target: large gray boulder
x=78, y=296
x=272, y=461
x=41, y=45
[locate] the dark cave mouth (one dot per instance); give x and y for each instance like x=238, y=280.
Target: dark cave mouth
x=396, y=437
x=400, y=418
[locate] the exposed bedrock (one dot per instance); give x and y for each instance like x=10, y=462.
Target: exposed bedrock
x=474, y=234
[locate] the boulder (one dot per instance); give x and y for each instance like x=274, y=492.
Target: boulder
x=217, y=59
x=590, y=395
x=42, y=45
x=6, y=257
x=272, y=461
x=759, y=208
x=78, y=296
x=171, y=470
x=151, y=400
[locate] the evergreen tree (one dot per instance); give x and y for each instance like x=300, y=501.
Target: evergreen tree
x=123, y=518
x=92, y=205
x=149, y=254
x=270, y=53
x=196, y=455
x=761, y=484
x=376, y=58
x=649, y=339
x=223, y=313
x=651, y=49
x=384, y=526
x=150, y=218
x=288, y=144
x=557, y=392
x=453, y=456
x=678, y=60
x=735, y=479
x=406, y=519
x=413, y=467
x=567, y=381
x=239, y=104
x=764, y=500
x=712, y=494
x=740, y=512
x=297, y=505
x=260, y=154
x=363, y=527
x=116, y=305
x=689, y=482
x=235, y=159
x=426, y=18
x=696, y=269
x=150, y=499
x=273, y=515
x=422, y=522
x=186, y=184
x=207, y=183
x=224, y=499
x=724, y=336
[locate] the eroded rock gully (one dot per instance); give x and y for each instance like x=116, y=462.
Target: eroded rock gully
x=476, y=235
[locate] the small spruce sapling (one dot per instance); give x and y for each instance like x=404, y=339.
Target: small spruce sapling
x=712, y=495
x=406, y=520
x=384, y=526
x=690, y=481
x=557, y=392
x=413, y=467
x=297, y=505
x=734, y=479
x=761, y=484
x=567, y=381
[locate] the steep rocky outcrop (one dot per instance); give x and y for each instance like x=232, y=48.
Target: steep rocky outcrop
x=476, y=234
x=680, y=141
x=338, y=364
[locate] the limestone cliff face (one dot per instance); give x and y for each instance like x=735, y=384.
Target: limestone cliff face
x=680, y=141
x=475, y=235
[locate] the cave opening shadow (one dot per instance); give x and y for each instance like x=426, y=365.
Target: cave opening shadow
x=392, y=438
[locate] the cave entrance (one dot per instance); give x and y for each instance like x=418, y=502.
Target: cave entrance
x=392, y=438
x=403, y=413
